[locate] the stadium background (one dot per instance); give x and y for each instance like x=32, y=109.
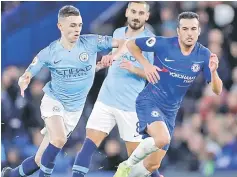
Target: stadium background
x=205, y=139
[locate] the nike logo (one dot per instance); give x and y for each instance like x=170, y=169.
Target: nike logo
x=56, y=62
x=166, y=59
x=136, y=136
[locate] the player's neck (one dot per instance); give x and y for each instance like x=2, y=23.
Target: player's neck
x=185, y=50
x=66, y=44
x=133, y=33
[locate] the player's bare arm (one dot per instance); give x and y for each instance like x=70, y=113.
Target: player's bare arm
x=107, y=60
x=116, y=43
x=137, y=53
x=99, y=66
x=216, y=82
x=24, y=81
x=125, y=64
x=149, y=69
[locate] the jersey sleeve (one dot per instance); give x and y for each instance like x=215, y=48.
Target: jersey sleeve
x=38, y=62
x=206, y=69
x=115, y=36
x=150, y=44
x=103, y=42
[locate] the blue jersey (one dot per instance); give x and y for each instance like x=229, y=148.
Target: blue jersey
x=72, y=72
x=121, y=87
x=178, y=72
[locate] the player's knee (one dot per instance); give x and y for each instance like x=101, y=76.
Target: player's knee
x=38, y=159
x=162, y=141
x=59, y=141
x=152, y=165
x=96, y=136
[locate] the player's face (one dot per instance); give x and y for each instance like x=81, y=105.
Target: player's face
x=137, y=14
x=70, y=27
x=188, y=31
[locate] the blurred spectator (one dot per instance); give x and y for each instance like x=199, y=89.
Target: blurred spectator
x=215, y=36
x=113, y=151
x=13, y=157
x=234, y=79
x=224, y=69
x=233, y=54
x=205, y=26
x=232, y=102
x=33, y=111
x=7, y=6
x=168, y=22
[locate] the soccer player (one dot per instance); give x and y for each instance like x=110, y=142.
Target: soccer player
x=178, y=61
x=71, y=61
x=116, y=101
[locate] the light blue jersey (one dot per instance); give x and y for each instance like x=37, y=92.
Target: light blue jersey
x=72, y=72
x=121, y=87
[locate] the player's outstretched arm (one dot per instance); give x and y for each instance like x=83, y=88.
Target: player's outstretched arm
x=137, y=53
x=149, y=70
x=125, y=64
x=99, y=66
x=122, y=48
x=117, y=43
x=216, y=82
x=31, y=71
x=24, y=81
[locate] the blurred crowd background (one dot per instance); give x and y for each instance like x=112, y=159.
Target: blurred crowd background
x=205, y=138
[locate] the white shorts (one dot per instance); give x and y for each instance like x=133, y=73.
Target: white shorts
x=104, y=118
x=51, y=107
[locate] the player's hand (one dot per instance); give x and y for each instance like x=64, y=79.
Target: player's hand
x=99, y=66
x=213, y=62
x=125, y=64
x=107, y=60
x=151, y=72
x=23, y=82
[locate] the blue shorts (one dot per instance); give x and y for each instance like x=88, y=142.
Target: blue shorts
x=148, y=112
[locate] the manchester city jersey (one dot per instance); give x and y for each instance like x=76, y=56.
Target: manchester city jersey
x=72, y=72
x=121, y=87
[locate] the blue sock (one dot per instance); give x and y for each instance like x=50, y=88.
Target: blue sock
x=82, y=161
x=27, y=167
x=155, y=174
x=47, y=160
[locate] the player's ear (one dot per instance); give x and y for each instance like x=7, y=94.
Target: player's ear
x=126, y=14
x=148, y=15
x=177, y=29
x=59, y=26
x=199, y=31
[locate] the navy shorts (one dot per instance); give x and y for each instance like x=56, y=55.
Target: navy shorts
x=148, y=112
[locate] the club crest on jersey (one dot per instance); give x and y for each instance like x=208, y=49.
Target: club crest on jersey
x=56, y=109
x=155, y=114
x=195, y=67
x=101, y=39
x=151, y=41
x=84, y=57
